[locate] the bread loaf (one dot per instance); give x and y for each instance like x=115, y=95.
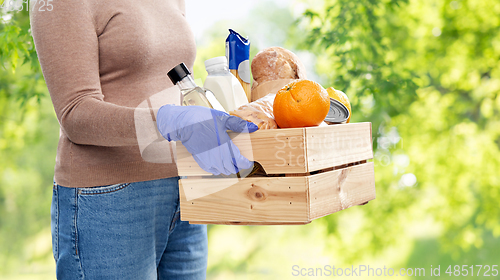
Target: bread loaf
x=276, y=63
x=271, y=64
x=260, y=112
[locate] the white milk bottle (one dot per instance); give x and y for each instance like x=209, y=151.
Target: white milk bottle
x=225, y=86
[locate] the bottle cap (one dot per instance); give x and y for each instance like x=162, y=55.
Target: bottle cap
x=338, y=112
x=178, y=73
x=219, y=60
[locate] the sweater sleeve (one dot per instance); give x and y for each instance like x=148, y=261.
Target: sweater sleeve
x=67, y=46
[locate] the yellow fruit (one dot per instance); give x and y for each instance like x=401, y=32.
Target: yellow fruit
x=342, y=97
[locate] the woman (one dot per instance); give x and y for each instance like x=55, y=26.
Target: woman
x=114, y=214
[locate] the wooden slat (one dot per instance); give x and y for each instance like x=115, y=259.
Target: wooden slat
x=279, y=151
x=249, y=223
x=336, y=190
x=295, y=150
x=339, y=144
x=187, y=166
x=253, y=199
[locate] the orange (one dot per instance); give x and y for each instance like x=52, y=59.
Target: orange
x=342, y=97
x=301, y=103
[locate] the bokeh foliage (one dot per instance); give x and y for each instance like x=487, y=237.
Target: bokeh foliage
x=28, y=139
x=425, y=73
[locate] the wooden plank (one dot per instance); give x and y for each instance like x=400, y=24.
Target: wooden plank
x=279, y=151
x=336, y=190
x=253, y=199
x=295, y=150
x=339, y=144
x=187, y=166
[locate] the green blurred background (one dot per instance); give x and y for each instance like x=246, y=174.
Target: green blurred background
x=425, y=73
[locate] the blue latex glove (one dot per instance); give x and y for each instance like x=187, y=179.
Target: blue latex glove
x=203, y=132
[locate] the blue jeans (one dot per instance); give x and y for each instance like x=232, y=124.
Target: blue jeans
x=125, y=231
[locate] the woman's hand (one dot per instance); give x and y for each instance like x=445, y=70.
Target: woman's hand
x=203, y=132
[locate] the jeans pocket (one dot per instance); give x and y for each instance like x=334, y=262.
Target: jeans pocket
x=102, y=189
x=54, y=222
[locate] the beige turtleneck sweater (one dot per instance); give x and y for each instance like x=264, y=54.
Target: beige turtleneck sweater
x=105, y=65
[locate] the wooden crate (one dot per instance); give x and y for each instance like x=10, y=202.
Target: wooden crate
x=315, y=171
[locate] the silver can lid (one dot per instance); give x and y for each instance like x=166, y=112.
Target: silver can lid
x=338, y=112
